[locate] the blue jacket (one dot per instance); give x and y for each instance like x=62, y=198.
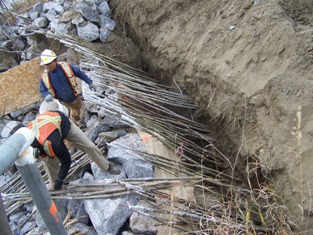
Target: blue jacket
x=63, y=90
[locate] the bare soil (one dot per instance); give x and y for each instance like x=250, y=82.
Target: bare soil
x=248, y=65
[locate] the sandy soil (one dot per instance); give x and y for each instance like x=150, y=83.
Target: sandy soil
x=19, y=86
x=248, y=65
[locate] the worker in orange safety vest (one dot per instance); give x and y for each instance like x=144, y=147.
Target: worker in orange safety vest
x=59, y=81
x=50, y=129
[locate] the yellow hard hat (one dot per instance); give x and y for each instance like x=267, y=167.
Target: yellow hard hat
x=47, y=56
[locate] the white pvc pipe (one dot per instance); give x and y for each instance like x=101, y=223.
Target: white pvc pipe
x=14, y=146
x=29, y=137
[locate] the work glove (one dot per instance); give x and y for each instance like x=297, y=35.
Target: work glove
x=92, y=87
x=48, y=98
x=58, y=184
x=36, y=153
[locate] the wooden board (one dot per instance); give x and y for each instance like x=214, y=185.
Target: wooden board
x=19, y=86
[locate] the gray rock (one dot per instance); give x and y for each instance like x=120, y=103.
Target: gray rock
x=53, y=5
x=51, y=15
x=78, y=21
x=109, y=215
x=143, y=224
x=106, y=22
x=40, y=22
x=83, y=229
x=38, y=7
x=104, y=34
x=6, y=44
x=28, y=227
x=59, y=27
x=8, y=128
x=127, y=233
x=88, y=12
x=109, y=136
x=23, y=110
x=90, y=1
x=77, y=210
x=113, y=121
x=18, y=44
x=101, y=175
x=89, y=32
x=15, y=217
x=33, y=15
x=69, y=16
x=104, y=9
x=3, y=33
x=22, y=19
x=134, y=166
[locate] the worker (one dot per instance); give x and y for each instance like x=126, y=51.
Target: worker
x=50, y=129
x=60, y=81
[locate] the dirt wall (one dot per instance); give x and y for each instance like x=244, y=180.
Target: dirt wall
x=248, y=65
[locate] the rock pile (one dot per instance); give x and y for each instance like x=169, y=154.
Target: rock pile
x=88, y=19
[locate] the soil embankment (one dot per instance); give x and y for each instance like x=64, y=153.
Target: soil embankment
x=248, y=65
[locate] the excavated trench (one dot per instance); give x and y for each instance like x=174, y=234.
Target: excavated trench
x=236, y=60
x=166, y=73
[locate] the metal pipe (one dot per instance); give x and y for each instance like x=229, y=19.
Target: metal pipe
x=14, y=146
x=19, y=145
x=9, y=152
x=39, y=192
x=4, y=223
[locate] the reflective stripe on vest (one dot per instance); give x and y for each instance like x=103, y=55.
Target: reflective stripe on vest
x=43, y=126
x=66, y=68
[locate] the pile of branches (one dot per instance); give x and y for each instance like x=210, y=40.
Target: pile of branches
x=147, y=105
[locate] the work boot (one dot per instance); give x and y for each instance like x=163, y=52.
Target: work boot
x=113, y=169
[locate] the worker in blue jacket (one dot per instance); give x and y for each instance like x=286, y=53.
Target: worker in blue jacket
x=60, y=81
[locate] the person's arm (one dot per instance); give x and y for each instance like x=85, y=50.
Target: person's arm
x=43, y=89
x=61, y=152
x=80, y=74
x=65, y=166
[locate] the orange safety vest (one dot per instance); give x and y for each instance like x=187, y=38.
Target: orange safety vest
x=70, y=77
x=43, y=126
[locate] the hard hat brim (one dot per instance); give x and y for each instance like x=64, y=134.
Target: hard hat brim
x=48, y=62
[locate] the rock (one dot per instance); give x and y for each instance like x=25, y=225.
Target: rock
x=5, y=133
x=89, y=32
x=143, y=224
x=40, y=22
x=104, y=34
x=87, y=12
x=108, y=215
x=57, y=7
x=59, y=27
x=104, y=9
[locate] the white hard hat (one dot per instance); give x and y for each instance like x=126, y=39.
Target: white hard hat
x=54, y=105
x=47, y=56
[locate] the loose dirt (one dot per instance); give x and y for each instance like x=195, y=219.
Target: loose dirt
x=248, y=65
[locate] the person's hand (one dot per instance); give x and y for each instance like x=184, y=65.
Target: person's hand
x=48, y=98
x=92, y=87
x=58, y=184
